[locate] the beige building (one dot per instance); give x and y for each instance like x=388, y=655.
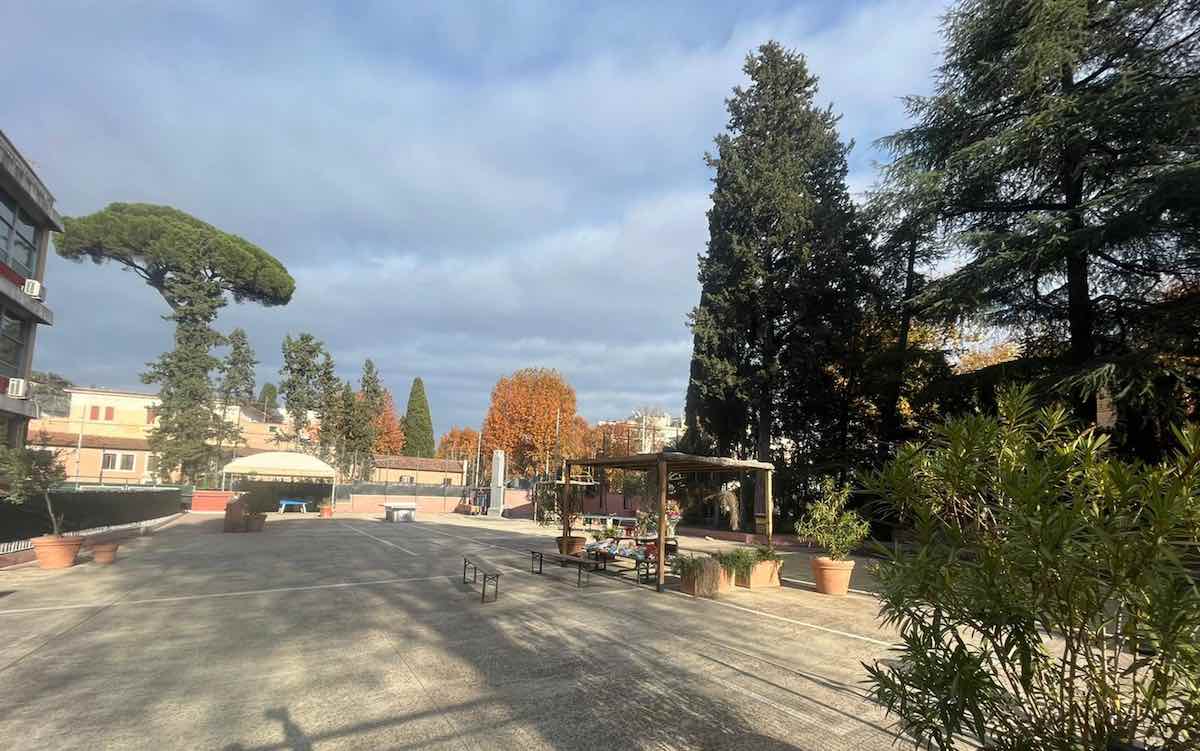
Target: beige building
x=415, y=470
x=103, y=437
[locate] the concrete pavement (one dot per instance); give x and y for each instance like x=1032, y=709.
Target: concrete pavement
x=353, y=633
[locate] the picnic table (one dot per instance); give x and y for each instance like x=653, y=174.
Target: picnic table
x=400, y=511
x=286, y=503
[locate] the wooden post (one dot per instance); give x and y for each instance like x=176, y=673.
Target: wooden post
x=662, y=521
x=767, y=475
x=563, y=508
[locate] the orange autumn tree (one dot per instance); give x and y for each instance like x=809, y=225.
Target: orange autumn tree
x=389, y=433
x=528, y=410
x=458, y=443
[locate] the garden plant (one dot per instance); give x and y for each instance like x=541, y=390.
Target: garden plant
x=1050, y=598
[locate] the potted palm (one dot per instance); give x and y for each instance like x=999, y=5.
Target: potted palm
x=829, y=524
x=30, y=474
x=561, y=508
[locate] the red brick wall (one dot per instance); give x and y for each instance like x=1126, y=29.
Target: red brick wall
x=370, y=504
x=210, y=500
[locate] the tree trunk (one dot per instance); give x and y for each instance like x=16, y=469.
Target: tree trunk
x=891, y=407
x=1079, y=299
x=54, y=524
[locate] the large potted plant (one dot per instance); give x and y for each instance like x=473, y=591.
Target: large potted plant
x=30, y=475
x=699, y=576
x=1051, y=596
x=755, y=568
x=561, y=507
x=839, y=531
x=726, y=563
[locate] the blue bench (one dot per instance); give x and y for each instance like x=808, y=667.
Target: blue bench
x=286, y=503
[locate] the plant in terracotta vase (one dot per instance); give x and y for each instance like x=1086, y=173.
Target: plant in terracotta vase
x=561, y=508
x=754, y=568
x=829, y=524
x=30, y=474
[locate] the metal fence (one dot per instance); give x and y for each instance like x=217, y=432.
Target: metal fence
x=402, y=489
x=16, y=546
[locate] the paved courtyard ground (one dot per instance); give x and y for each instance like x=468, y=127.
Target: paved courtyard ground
x=354, y=633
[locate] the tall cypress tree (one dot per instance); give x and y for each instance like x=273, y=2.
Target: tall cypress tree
x=329, y=409
x=299, y=384
x=1059, y=151
x=418, y=426
x=784, y=255
x=237, y=385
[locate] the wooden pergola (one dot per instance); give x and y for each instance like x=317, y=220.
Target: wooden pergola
x=666, y=462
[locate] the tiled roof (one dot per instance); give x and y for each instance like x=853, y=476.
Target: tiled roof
x=418, y=463
x=71, y=440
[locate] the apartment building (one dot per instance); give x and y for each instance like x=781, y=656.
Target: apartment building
x=642, y=432
x=103, y=435
x=27, y=217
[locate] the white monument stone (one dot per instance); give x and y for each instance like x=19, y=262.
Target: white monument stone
x=496, y=502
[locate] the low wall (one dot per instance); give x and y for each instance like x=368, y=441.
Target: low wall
x=210, y=500
x=371, y=504
x=749, y=538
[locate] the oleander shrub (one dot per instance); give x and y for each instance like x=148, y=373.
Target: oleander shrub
x=1049, y=599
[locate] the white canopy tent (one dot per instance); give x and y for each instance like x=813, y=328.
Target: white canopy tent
x=283, y=465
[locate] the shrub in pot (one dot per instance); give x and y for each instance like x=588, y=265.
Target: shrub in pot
x=30, y=475
x=755, y=568
x=699, y=576
x=561, y=506
x=725, y=571
x=838, y=531
x=326, y=511
x=1041, y=565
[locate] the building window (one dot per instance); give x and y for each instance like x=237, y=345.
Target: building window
x=446, y=481
x=12, y=344
x=108, y=414
x=113, y=460
x=408, y=480
x=18, y=237
x=95, y=414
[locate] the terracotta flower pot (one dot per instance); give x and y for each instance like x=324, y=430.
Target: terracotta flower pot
x=572, y=545
x=56, y=551
x=327, y=512
x=764, y=575
x=832, y=577
x=105, y=552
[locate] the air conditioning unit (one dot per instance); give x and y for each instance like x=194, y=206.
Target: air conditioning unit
x=33, y=288
x=18, y=388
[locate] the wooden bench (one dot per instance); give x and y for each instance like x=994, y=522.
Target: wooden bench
x=478, y=568
x=582, y=565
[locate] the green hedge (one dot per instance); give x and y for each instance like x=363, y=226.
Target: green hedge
x=264, y=495
x=86, y=509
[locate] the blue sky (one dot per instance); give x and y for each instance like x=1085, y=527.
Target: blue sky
x=460, y=189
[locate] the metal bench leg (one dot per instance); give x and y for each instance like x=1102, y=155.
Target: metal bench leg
x=464, y=570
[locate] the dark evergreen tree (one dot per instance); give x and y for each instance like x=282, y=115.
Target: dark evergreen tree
x=329, y=410
x=299, y=385
x=1059, y=151
x=268, y=401
x=192, y=265
x=357, y=435
x=779, y=329
x=236, y=388
x=189, y=425
x=418, y=426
